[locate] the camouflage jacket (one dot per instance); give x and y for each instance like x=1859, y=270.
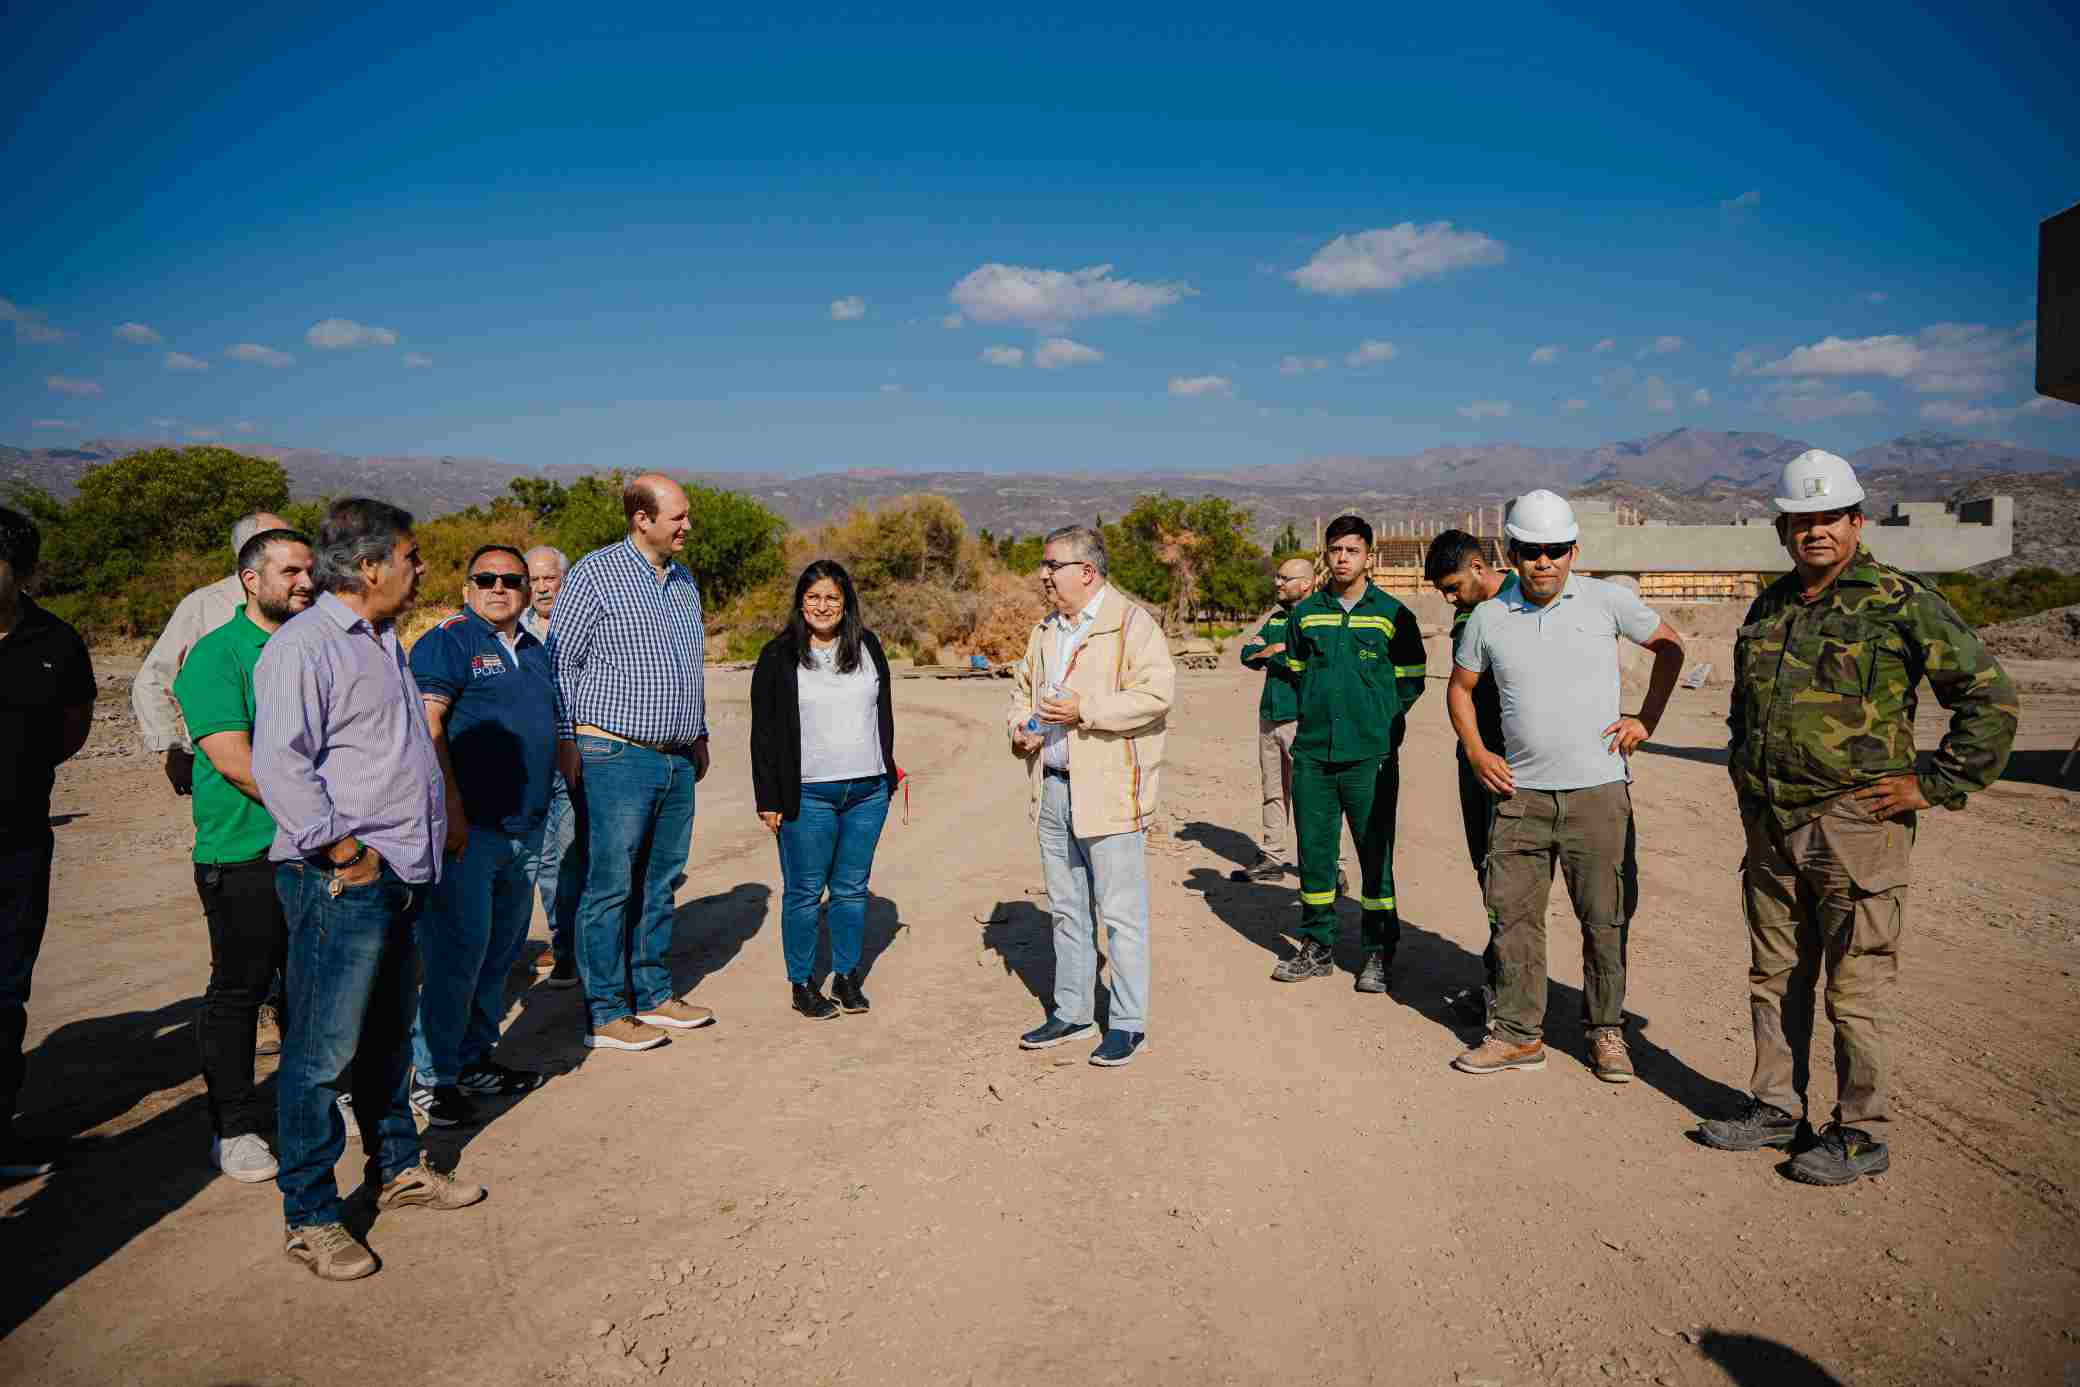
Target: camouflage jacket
x=1824, y=693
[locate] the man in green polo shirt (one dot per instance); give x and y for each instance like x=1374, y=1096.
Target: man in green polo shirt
x=248, y=935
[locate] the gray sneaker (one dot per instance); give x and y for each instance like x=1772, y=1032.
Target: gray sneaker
x=245, y=1159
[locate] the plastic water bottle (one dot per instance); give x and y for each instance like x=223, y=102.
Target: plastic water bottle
x=1048, y=689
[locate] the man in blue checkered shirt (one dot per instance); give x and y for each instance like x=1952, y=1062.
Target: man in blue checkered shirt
x=625, y=637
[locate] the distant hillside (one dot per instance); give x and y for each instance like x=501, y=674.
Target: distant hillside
x=2047, y=520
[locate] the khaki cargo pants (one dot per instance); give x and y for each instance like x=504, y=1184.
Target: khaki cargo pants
x=1587, y=834
x=1830, y=893
x=1275, y=759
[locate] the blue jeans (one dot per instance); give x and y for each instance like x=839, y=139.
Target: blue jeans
x=559, y=872
x=829, y=843
x=348, y=1030
x=639, y=825
x=469, y=936
x=1093, y=881
x=25, y=910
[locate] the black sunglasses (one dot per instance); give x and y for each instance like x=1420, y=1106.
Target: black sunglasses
x=1546, y=551
x=511, y=582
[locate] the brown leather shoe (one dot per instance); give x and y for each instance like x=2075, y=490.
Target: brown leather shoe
x=677, y=1015
x=1608, y=1056
x=625, y=1033
x=267, y=1033
x=1496, y=1054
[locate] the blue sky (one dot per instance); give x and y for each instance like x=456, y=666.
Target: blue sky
x=794, y=243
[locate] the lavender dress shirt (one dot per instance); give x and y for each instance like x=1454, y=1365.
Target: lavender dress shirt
x=340, y=744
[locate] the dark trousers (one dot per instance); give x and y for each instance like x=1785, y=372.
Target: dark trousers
x=1477, y=812
x=1325, y=795
x=25, y=908
x=248, y=945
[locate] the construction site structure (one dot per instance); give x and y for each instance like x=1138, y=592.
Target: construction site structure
x=1711, y=563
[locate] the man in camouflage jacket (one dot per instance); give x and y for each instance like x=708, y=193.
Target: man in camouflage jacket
x=1826, y=674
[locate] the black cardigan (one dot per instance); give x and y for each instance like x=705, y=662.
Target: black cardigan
x=776, y=723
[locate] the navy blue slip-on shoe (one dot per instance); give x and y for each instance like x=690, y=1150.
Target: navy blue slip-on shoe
x=1120, y=1048
x=1052, y=1034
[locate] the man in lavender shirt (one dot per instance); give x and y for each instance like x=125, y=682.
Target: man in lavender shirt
x=346, y=767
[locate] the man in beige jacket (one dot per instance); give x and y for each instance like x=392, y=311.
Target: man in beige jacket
x=1093, y=692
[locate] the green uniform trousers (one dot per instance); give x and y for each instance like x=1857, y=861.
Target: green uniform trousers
x=1325, y=794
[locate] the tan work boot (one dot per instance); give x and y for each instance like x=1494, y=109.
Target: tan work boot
x=330, y=1251
x=625, y=1033
x=423, y=1187
x=1496, y=1054
x=1608, y=1056
x=267, y=1036
x=678, y=1015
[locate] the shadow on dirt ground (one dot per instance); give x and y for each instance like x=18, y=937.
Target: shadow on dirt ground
x=1756, y=1362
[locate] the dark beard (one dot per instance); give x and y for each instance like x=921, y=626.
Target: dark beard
x=275, y=612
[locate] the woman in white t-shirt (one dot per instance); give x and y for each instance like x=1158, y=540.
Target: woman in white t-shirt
x=823, y=769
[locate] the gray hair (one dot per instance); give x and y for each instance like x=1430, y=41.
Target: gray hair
x=244, y=528
x=1085, y=543
x=353, y=531
x=563, y=564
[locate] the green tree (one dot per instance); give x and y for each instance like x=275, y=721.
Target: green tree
x=733, y=545
x=132, y=512
x=1226, y=564
x=1287, y=543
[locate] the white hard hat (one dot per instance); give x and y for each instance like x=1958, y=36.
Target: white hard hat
x=1816, y=480
x=1541, y=517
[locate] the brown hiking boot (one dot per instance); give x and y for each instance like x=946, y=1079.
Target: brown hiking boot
x=267, y=1036
x=625, y=1033
x=330, y=1251
x=1608, y=1057
x=423, y=1187
x=677, y=1015
x=1496, y=1054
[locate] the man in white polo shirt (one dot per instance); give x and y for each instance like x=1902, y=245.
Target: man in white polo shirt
x=1565, y=791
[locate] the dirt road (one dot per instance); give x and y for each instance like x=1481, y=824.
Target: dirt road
x=1291, y=1187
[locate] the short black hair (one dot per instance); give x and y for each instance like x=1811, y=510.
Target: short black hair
x=1449, y=553
x=483, y=549
x=1346, y=525
x=21, y=544
x=253, y=553
x=355, y=529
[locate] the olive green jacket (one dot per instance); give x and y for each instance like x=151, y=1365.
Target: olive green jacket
x=1280, y=701
x=1825, y=691
x=1360, y=672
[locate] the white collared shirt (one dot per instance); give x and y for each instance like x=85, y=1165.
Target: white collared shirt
x=1068, y=635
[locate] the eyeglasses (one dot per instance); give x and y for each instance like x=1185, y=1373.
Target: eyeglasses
x=1050, y=567
x=1544, y=551
x=823, y=603
x=511, y=582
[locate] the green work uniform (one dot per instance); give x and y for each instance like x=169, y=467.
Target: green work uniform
x=1824, y=699
x=215, y=692
x=1280, y=701
x=1360, y=672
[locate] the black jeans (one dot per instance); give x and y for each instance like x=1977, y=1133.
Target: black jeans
x=25, y=908
x=248, y=945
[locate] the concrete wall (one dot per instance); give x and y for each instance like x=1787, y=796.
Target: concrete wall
x=1914, y=538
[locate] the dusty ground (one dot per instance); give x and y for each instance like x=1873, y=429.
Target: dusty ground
x=1292, y=1187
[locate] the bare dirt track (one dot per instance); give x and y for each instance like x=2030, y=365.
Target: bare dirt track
x=1291, y=1187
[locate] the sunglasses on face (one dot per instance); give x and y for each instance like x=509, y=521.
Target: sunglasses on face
x=511, y=582
x=1544, y=551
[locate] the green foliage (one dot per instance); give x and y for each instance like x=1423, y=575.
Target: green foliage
x=1230, y=569
x=132, y=512
x=1018, y=555
x=733, y=546
x=1988, y=601
x=1287, y=543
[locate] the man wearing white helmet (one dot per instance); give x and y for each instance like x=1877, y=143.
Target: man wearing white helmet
x=1823, y=760
x=1564, y=790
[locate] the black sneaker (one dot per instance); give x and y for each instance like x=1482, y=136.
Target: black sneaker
x=813, y=1004
x=1842, y=1156
x=443, y=1105
x=564, y=974
x=1265, y=868
x=845, y=992
x=1378, y=973
x=22, y=1159
x=1759, y=1125
x=1052, y=1034
x=1120, y=1047
x=488, y=1080
x=1313, y=961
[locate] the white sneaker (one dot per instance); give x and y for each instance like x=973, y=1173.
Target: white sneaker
x=245, y=1159
x=345, y=1104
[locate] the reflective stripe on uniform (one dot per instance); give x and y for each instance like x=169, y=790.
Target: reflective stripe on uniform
x=1319, y=619
x=1375, y=903
x=1371, y=623
x=1317, y=898
x=1408, y=671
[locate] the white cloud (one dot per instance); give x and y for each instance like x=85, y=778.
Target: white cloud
x=246, y=426
x=1700, y=397
x=995, y=293
x=1891, y=356
x=2044, y=404
x=1659, y=398
x=1746, y=202
x=1605, y=345
x=257, y=355
x=1190, y=386
x=1959, y=415
x=953, y=320
x=848, y=308
x=1941, y=359
x=1876, y=296
x=417, y=361
x=54, y=423
x=29, y=325
x=1486, y=409
x=1003, y=356
x=1545, y=356
x=1056, y=352
x=203, y=435
x=1662, y=346
x=1573, y=406
x=1390, y=257
x=1371, y=352
x=181, y=361
x=345, y=332
x=1300, y=365
x=66, y=385
x=138, y=333
x=1810, y=401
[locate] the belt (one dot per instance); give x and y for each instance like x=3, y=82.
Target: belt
x=1055, y=771
x=667, y=748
